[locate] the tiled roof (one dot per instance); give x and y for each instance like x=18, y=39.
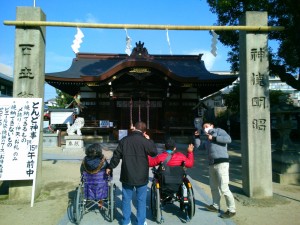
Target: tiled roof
x=95, y=65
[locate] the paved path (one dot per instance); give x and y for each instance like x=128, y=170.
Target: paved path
x=171, y=213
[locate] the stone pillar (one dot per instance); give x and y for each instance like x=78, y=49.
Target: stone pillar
x=255, y=108
x=29, y=78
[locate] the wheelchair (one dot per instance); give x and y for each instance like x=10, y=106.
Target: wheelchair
x=170, y=188
x=95, y=191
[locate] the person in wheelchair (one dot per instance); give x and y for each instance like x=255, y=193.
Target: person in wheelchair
x=94, y=161
x=93, y=171
x=170, y=170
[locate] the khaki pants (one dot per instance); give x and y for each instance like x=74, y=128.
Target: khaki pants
x=219, y=185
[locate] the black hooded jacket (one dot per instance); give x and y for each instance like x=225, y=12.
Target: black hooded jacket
x=134, y=150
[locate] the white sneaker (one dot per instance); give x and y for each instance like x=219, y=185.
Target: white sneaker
x=145, y=223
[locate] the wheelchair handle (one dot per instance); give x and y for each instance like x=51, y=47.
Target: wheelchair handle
x=154, y=170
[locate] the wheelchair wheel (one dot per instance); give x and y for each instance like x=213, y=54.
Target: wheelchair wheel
x=155, y=203
x=190, y=210
x=111, y=202
x=79, y=204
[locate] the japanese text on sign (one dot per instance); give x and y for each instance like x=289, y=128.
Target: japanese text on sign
x=19, y=129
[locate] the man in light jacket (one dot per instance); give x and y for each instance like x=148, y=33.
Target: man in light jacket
x=218, y=160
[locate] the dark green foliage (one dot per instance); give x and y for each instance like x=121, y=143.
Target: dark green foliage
x=63, y=99
x=284, y=62
x=232, y=99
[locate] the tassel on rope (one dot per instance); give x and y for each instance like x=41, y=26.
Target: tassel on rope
x=77, y=41
x=131, y=122
x=169, y=43
x=214, y=41
x=128, y=43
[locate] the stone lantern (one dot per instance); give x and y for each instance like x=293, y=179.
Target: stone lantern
x=286, y=157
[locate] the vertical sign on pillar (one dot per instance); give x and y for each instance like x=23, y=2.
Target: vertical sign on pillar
x=255, y=108
x=29, y=80
x=25, y=72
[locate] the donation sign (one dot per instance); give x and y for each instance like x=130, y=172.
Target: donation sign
x=20, y=120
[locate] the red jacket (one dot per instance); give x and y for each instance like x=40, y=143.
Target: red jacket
x=176, y=159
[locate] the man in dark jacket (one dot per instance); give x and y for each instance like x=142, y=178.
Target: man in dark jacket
x=134, y=150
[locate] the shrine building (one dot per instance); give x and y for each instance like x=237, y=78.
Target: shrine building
x=160, y=90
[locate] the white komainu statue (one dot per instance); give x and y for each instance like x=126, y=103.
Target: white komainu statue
x=77, y=125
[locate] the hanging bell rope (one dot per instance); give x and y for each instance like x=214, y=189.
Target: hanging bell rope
x=25, y=23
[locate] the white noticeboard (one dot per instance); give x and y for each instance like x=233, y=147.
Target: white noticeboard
x=61, y=117
x=20, y=120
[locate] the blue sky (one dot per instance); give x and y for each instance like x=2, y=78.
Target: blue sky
x=59, y=53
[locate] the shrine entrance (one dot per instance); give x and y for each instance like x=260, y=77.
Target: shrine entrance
x=192, y=78
x=131, y=111
x=160, y=90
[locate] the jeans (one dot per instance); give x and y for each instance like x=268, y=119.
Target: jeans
x=198, y=124
x=219, y=184
x=141, y=197
x=197, y=143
